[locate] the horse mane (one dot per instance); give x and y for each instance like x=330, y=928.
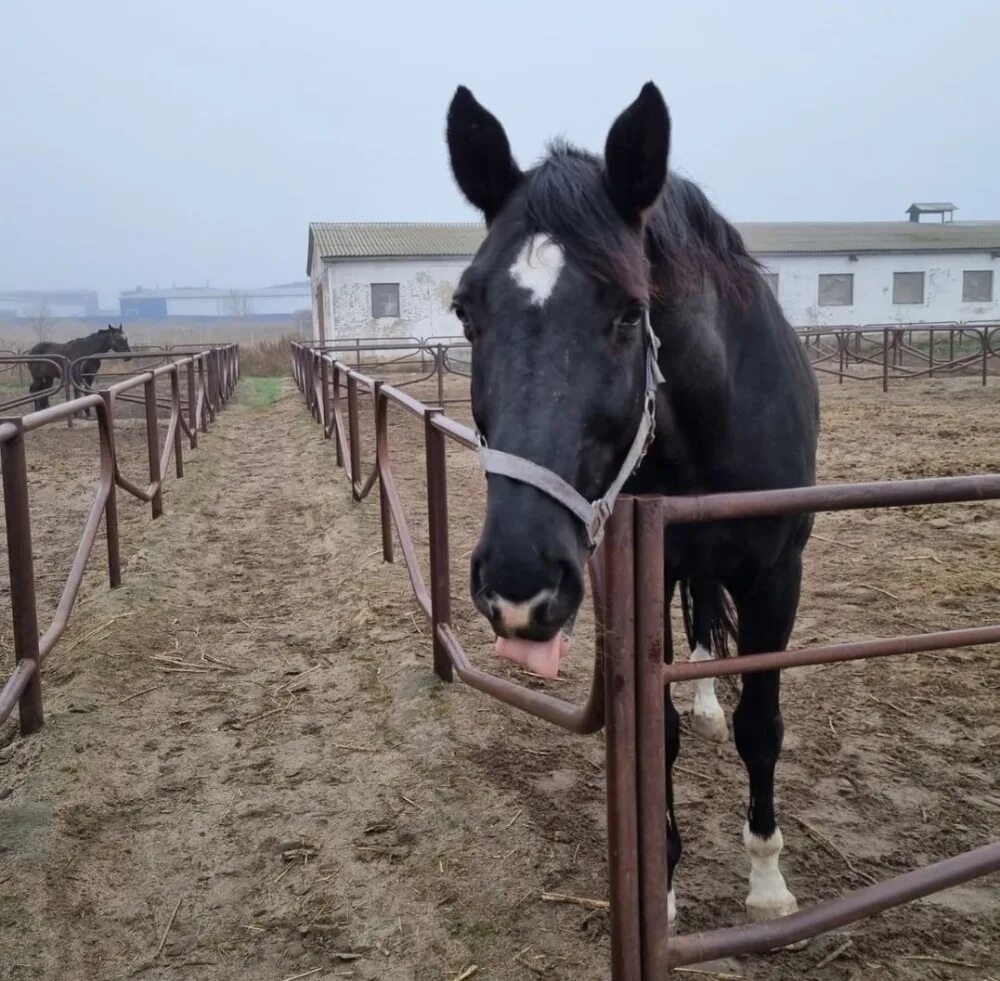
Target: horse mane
x=685, y=235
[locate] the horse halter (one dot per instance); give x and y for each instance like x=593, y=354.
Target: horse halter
x=593, y=514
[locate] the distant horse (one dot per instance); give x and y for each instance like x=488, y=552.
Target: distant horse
x=43, y=375
x=610, y=303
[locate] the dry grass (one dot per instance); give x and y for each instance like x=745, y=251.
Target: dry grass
x=266, y=359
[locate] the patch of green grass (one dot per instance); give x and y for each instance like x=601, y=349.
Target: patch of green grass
x=262, y=392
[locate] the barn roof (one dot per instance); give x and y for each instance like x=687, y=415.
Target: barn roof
x=794, y=237
x=932, y=207
x=393, y=239
x=373, y=240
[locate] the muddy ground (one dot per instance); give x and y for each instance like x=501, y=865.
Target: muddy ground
x=248, y=771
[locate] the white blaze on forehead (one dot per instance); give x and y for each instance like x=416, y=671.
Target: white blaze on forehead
x=537, y=267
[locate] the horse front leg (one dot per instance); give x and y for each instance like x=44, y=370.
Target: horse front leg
x=766, y=616
x=672, y=747
x=39, y=385
x=672, y=737
x=707, y=616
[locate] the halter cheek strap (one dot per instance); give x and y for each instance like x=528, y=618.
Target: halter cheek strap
x=592, y=514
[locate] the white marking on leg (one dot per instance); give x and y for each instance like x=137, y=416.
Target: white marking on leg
x=707, y=717
x=537, y=267
x=769, y=896
x=517, y=616
x=671, y=908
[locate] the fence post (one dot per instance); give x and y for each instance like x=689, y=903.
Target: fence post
x=192, y=406
x=651, y=752
x=336, y=415
x=210, y=385
x=353, y=435
x=203, y=384
x=109, y=464
x=153, y=447
x=986, y=351
x=930, y=353
x=440, y=373
x=620, y=743
x=437, y=518
x=885, y=359
x=67, y=380
x=24, y=614
x=381, y=455
x=311, y=385
x=175, y=417
x=324, y=381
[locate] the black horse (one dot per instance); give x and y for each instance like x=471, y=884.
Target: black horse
x=579, y=252
x=43, y=375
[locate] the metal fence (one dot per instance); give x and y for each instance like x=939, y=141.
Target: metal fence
x=888, y=352
x=631, y=675
x=870, y=353
x=210, y=377
x=636, y=678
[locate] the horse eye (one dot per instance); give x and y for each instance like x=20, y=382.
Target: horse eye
x=632, y=316
x=463, y=318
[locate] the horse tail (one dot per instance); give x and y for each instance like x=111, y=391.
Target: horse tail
x=708, y=600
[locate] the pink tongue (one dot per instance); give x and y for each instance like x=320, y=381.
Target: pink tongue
x=539, y=657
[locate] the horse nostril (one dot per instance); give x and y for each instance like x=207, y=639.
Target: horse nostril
x=476, y=577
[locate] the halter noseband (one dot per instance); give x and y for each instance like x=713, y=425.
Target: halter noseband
x=594, y=515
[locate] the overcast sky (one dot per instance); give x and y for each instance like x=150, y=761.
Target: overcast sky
x=156, y=143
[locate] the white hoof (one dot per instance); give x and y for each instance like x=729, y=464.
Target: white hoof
x=710, y=726
x=707, y=718
x=769, y=896
x=770, y=907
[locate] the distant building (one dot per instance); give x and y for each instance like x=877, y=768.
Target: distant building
x=196, y=303
x=44, y=305
x=396, y=279
x=943, y=208
x=387, y=279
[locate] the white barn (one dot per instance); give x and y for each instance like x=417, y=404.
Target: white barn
x=41, y=305
x=383, y=280
x=198, y=302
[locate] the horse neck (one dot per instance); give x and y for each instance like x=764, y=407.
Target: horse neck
x=93, y=344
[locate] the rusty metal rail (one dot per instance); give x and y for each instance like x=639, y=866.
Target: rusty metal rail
x=635, y=597
x=631, y=675
x=882, y=352
x=60, y=383
x=23, y=688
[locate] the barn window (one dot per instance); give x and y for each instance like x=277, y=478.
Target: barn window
x=908, y=287
x=385, y=299
x=772, y=280
x=836, y=289
x=977, y=286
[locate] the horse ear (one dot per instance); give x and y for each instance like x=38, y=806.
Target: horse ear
x=635, y=155
x=480, y=154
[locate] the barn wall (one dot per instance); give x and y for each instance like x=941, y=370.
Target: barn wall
x=798, y=285
x=426, y=287
x=425, y=291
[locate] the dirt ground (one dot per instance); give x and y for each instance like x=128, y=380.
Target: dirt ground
x=249, y=772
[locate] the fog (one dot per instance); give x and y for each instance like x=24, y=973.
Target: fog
x=186, y=143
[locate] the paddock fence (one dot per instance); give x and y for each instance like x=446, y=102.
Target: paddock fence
x=886, y=353
x=633, y=663
x=209, y=379
x=883, y=354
